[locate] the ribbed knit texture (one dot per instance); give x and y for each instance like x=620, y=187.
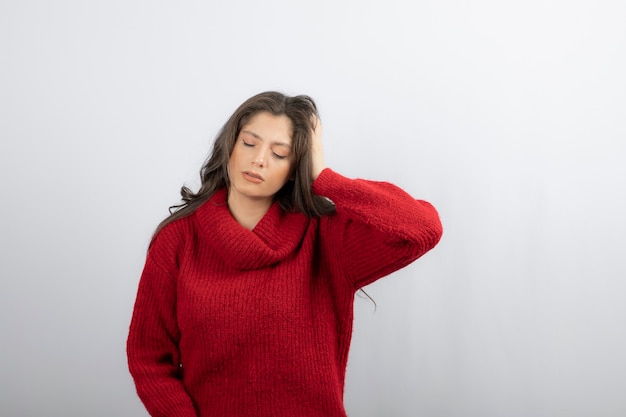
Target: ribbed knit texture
x=230, y=322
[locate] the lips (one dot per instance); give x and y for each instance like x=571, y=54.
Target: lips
x=253, y=176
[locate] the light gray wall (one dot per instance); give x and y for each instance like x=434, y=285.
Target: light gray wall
x=508, y=116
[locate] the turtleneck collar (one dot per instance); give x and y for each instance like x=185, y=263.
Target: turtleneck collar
x=276, y=235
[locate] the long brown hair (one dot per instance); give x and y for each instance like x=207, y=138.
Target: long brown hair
x=296, y=194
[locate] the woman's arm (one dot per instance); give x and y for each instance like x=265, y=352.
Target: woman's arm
x=152, y=346
x=378, y=227
x=317, y=150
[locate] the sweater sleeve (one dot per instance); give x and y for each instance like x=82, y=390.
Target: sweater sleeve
x=377, y=229
x=152, y=345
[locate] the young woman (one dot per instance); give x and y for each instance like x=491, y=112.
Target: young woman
x=244, y=307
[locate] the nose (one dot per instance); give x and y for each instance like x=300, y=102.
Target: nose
x=259, y=160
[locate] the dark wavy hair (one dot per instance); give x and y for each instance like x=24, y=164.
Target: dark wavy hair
x=296, y=194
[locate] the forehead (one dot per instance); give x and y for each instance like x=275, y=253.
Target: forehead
x=268, y=127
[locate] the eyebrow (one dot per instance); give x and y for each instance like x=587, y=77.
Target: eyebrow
x=260, y=138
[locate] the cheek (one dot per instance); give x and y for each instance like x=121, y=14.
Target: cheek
x=235, y=158
x=232, y=163
x=289, y=170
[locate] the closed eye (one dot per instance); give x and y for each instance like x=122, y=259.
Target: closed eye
x=246, y=143
x=279, y=156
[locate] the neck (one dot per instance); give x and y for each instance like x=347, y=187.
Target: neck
x=247, y=212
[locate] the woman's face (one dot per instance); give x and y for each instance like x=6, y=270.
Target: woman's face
x=262, y=158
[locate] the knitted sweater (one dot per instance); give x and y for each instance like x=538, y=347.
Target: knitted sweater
x=230, y=322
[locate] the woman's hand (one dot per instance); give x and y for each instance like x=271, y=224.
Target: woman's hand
x=317, y=151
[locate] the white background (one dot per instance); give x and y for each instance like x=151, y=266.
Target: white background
x=510, y=117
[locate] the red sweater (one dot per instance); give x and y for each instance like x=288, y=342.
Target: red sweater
x=230, y=322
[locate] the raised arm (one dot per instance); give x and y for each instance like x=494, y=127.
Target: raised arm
x=378, y=228
x=317, y=150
